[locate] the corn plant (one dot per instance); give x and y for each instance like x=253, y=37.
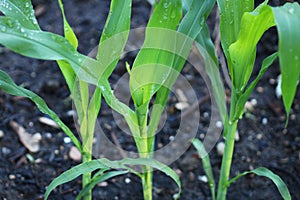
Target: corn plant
x=21, y=33
x=241, y=27
x=168, y=40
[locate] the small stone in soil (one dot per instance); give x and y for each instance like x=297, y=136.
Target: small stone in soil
x=75, y=154
x=191, y=177
x=103, y=184
x=259, y=136
x=127, y=180
x=171, y=138
x=67, y=140
x=260, y=89
x=5, y=150
x=12, y=176
x=1, y=134
x=219, y=124
x=206, y=114
x=220, y=148
x=264, y=121
x=48, y=135
x=48, y=121
x=237, y=136
x=203, y=179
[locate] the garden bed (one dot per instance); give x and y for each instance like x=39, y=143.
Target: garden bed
x=263, y=139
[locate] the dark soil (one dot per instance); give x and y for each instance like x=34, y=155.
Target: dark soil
x=264, y=140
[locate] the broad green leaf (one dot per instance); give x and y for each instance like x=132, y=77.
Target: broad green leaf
x=98, y=179
x=104, y=164
x=287, y=19
x=261, y=171
x=73, y=173
x=206, y=165
x=47, y=46
x=231, y=13
x=114, y=36
x=240, y=105
x=7, y=84
x=243, y=51
x=165, y=18
x=21, y=11
x=191, y=26
x=65, y=67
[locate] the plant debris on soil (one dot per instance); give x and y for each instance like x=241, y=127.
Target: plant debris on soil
x=25, y=171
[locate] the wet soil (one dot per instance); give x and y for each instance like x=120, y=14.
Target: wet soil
x=263, y=138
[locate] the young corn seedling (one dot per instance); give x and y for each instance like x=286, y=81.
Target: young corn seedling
x=166, y=47
x=241, y=28
x=20, y=32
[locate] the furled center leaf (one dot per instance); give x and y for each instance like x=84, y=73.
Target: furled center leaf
x=165, y=18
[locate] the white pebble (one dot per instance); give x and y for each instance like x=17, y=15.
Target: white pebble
x=12, y=176
x=71, y=113
x=206, y=114
x=171, y=138
x=67, y=140
x=37, y=137
x=48, y=121
x=237, y=136
x=103, y=184
x=1, y=134
x=5, y=150
x=264, y=121
x=48, y=135
x=75, y=154
x=127, y=180
x=248, y=106
x=203, y=179
x=220, y=148
x=259, y=136
x=253, y=102
x=219, y=124
x=278, y=87
x=181, y=105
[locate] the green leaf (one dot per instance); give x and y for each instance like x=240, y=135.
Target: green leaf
x=65, y=67
x=73, y=173
x=47, y=46
x=231, y=13
x=21, y=11
x=191, y=27
x=98, y=179
x=243, y=51
x=152, y=61
x=104, y=164
x=287, y=19
x=7, y=84
x=114, y=36
x=206, y=165
x=68, y=31
x=206, y=48
x=240, y=105
x=261, y=171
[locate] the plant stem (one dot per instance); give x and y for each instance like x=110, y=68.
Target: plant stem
x=226, y=160
x=145, y=151
x=147, y=183
x=86, y=178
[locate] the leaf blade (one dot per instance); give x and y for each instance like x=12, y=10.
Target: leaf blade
x=287, y=19
x=262, y=171
x=7, y=84
x=21, y=11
